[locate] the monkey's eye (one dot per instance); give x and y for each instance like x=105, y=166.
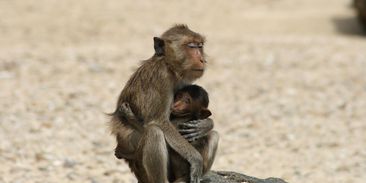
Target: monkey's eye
x=200, y=45
x=187, y=100
x=192, y=45
x=195, y=45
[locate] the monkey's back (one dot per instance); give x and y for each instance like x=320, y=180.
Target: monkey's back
x=149, y=91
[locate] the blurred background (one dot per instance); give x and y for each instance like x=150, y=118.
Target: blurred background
x=286, y=78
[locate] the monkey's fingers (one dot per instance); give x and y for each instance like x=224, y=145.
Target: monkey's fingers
x=194, y=130
x=193, y=122
x=194, y=136
x=204, y=124
x=185, y=128
x=126, y=110
x=195, y=175
x=189, y=125
x=188, y=130
x=198, y=136
x=197, y=180
x=190, y=135
x=125, y=105
x=199, y=129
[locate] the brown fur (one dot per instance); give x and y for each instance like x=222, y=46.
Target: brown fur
x=207, y=142
x=150, y=92
x=189, y=102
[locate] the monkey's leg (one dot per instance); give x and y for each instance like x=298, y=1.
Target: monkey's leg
x=208, y=147
x=127, y=144
x=127, y=137
x=154, y=155
x=178, y=168
x=184, y=149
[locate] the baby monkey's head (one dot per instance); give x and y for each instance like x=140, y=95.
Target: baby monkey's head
x=192, y=100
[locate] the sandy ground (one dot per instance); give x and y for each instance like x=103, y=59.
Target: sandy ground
x=287, y=83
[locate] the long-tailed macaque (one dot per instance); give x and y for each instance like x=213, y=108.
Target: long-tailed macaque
x=179, y=60
x=190, y=104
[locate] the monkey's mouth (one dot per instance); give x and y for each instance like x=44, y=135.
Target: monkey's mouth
x=198, y=70
x=179, y=114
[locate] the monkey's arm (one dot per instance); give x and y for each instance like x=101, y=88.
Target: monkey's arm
x=131, y=119
x=193, y=130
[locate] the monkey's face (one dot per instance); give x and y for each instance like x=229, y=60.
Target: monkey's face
x=184, y=105
x=194, y=62
x=183, y=49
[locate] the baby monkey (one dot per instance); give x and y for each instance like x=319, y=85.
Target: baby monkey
x=190, y=104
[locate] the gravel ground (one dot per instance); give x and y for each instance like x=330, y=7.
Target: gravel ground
x=287, y=84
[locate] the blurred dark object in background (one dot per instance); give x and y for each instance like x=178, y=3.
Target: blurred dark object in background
x=360, y=6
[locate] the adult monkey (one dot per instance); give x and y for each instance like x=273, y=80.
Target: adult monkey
x=178, y=61
x=190, y=103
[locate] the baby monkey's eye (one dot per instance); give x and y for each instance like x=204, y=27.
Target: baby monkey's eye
x=195, y=45
x=187, y=100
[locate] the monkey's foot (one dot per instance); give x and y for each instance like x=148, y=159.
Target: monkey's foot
x=126, y=110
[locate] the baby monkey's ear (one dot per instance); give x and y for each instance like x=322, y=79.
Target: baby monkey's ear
x=205, y=113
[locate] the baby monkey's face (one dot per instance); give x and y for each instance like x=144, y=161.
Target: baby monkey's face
x=184, y=105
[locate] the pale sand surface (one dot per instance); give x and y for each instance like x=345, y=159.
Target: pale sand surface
x=287, y=84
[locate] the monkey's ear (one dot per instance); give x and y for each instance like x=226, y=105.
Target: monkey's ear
x=159, y=46
x=205, y=113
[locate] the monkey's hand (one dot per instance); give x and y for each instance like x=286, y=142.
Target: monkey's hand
x=196, y=129
x=126, y=111
x=195, y=175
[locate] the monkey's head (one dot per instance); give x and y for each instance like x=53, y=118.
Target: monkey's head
x=182, y=49
x=191, y=100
